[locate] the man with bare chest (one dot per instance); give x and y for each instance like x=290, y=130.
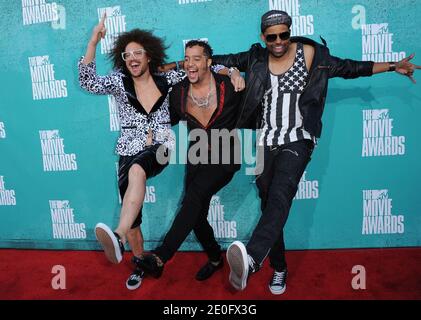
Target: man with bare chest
x=208, y=103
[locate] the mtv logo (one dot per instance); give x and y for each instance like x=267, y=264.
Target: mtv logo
x=110, y=11
x=62, y=204
x=379, y=194
x=215, y=201
x=380, y=28
x=44, y=60
x=52, y=134
x=187, y=40
x=378, y=114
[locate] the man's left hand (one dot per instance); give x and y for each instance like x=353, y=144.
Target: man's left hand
x=406, y=68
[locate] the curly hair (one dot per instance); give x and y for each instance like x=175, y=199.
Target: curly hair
x=153, y=45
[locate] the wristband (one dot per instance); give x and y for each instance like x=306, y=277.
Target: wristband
x=230, y=71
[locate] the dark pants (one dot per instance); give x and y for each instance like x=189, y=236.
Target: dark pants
x=202, y=182
x=283, y=167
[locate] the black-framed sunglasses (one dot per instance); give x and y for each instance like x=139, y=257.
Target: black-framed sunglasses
x=283, y=36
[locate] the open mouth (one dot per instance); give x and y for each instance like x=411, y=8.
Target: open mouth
x=192, y=73
x=135, y=66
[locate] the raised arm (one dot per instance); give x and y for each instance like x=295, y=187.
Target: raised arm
x=88, y=77
x=98, y=33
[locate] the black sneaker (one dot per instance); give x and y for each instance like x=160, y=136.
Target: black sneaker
x=135, y=279
x=239, y=265
x=149, y=264
x=208, y=270
x=110, y=242
x=278, y=283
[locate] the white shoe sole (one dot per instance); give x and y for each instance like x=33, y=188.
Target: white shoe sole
x=238, y=262
x=133, y=287
x=109, y=243
x=277, y=292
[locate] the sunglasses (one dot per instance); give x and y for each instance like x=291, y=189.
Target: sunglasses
x=135, y=53
x=283, y=36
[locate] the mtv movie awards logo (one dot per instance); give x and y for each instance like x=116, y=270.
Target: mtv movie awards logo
x=7, y=197
x=38, y=11
x=115, y=23
x=307, y=189
x=53, y=156
x=192, y=1
x=377, y=214
x=114, y=118
x=378, y=139
x=63, y=221
x=301, y=25
x=216, y=217
x=377, y=44
x=2, y=131
x=44, y=83
x=150, y=196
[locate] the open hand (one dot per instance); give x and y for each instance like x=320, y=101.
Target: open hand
x=406, y=68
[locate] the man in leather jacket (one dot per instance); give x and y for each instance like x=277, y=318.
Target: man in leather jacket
x=286, y=87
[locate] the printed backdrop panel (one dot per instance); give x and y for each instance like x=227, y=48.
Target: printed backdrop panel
x=58, y=170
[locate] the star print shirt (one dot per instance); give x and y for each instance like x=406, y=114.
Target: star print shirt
x=282, y=119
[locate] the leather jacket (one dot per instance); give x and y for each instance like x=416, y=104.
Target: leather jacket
x=254, y=63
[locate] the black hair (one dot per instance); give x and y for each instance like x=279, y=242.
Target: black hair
x=207, y=50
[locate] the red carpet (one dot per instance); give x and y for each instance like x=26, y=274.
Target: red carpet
x=313, y=274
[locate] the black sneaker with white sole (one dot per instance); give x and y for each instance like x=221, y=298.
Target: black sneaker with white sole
x=110, y=242
x=278, y=283
x=239, y=265
x=135, y=279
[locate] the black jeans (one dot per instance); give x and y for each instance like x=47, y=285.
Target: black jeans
x=283, y=167
x=202, y=182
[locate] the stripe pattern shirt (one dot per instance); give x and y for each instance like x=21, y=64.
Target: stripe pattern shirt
x=282, y=120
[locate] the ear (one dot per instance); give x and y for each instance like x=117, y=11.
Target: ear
x=263, y=37
x=209, y=62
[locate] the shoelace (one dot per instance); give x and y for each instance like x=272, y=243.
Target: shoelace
x=278, y=277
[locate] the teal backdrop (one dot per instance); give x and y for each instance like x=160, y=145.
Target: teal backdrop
x=57, y=162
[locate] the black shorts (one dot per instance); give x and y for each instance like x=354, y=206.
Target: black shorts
x=147, y=160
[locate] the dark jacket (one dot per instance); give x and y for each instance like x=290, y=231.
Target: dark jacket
x=224, y=117
x=312, y=101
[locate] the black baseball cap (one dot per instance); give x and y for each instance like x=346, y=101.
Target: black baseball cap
x=274, y=17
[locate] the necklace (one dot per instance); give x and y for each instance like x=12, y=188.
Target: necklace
x=202, y=102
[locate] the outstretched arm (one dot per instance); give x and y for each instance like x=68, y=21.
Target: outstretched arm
x=404, y=67
x=98, y=33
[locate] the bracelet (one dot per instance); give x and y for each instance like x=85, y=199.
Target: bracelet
x=392, y=66
x=230, y=71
